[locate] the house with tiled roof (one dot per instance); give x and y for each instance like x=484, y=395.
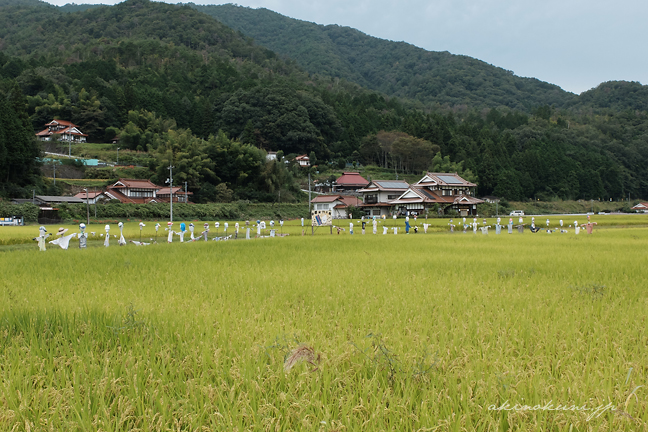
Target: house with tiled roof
x=445, y=190
x=179, y=194
x=61, y=130
x=350, y=181
x=303, y=160
x=378, y=194
x=92, y=197
x=337, y=204
x=137, y=191
x=641, y=207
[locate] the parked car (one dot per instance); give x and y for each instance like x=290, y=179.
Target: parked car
x=517, y=213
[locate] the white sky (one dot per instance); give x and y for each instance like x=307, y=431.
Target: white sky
x=576, y=44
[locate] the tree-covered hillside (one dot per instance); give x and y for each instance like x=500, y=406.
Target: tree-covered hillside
x=182, y=88
x=393, y=68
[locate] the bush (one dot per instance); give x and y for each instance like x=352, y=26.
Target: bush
x=28, y=211
x=355, y=212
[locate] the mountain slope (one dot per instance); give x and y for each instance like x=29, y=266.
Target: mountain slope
x=393, y=68
x=166, y=78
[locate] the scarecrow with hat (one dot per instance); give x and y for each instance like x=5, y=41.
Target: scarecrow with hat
x=63, y=240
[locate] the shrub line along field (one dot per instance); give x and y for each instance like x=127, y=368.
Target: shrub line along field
x=445, y=331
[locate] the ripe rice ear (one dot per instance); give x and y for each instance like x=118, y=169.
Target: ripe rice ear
x=301, y=353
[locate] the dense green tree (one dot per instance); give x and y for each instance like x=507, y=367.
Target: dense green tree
x=19, y=149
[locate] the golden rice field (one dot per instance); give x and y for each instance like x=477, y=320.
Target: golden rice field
x=436, y=332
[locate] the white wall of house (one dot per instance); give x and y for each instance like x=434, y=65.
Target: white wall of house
x=335, y=213
x=323, y=206
x=383, y=196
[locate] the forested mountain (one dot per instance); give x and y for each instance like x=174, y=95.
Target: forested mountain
x=393, y=68
x=178, y=84
x=612, y=96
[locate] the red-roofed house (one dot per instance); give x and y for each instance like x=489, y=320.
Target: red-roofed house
x=61, y=130
x=143, y=191
x=92, y=197
x=641, y=207
x=350, y=181
x=303, y=160
x=447, y=190
x=337, y=204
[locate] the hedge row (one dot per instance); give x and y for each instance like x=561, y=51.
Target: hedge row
x=28, y=211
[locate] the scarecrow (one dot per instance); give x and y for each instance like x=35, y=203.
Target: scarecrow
x=121, y=241
x=83, y=237
x=63, y=240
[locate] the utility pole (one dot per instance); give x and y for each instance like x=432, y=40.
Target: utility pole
x=54, y=166
x=186, y=197
x=309, y=193
x=87, y=207
x=117, y=155
x=171, y=191
x=95, y=206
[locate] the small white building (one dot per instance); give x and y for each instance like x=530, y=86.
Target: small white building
x=337, y=204
x=303, y=160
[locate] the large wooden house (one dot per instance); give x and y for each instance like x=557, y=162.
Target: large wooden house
x=61, y=130
x=377, y=196
x=445, y=190
x=144, y=191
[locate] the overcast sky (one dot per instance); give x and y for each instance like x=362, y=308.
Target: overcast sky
x=576, y=44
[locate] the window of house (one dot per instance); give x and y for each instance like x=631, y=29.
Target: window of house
x=140, y=193
x=392, y=197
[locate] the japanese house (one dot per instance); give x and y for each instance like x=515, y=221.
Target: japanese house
x=337, y=204
x=376, y=196
x=350, y=181
x=144, y=191
x=443, y=191
x=61, y=130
